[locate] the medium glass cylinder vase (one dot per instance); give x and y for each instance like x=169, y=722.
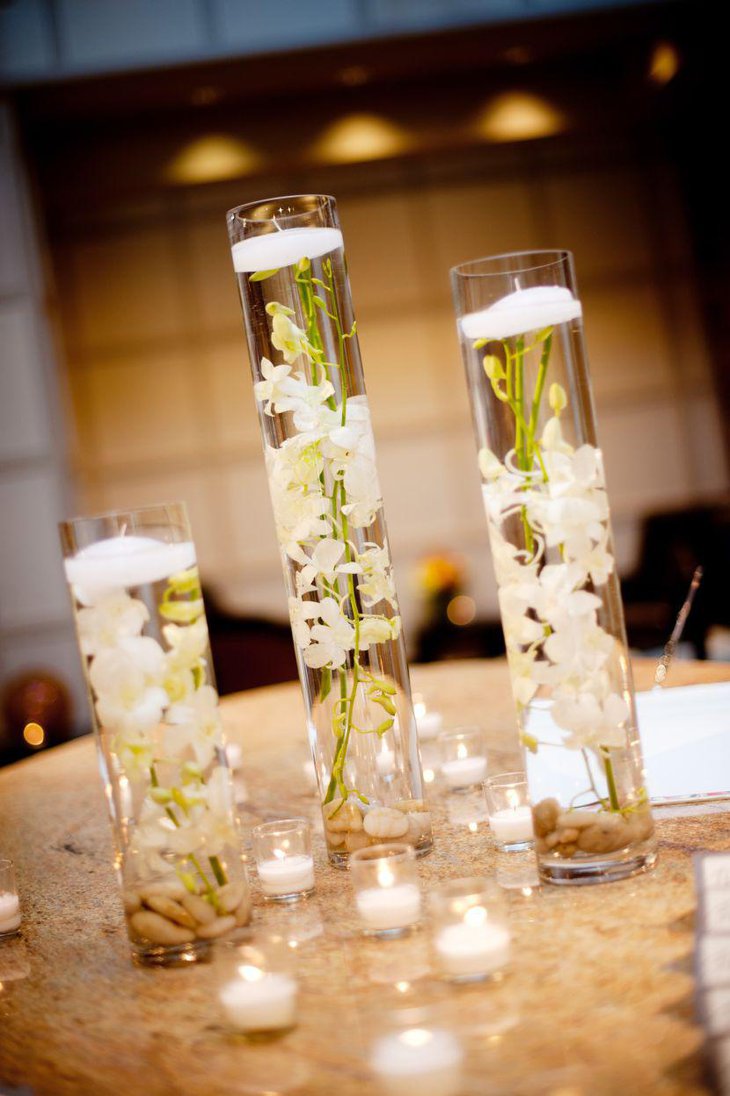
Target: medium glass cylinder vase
x=142, y=632
x=519, y=320
x=289, y=259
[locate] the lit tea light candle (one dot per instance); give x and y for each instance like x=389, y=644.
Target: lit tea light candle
x=387, y=897
x=422, y=1059
x=234, y=754
x=524, y=310
x=9, y=913
x=124, y=562
x=259, y=1001
x=273, y=250
x=283, y=853
x=429, y=724
x=385, y=761
x=464, y=772
x=510, y=816
x=475, y=948
x=285, y=875
x=512, y=825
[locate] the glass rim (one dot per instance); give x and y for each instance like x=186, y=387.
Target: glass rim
x=105, y=515
x=396, y=850
x=461, y=732
x=463, y=887
x=318, y=202
x=476, y=268
x=505, y=780
x=281, y=826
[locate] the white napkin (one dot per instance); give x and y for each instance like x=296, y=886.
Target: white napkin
x=685, y=734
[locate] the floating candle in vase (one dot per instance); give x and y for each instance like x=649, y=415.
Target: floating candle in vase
x=387, y=894
x=125, y=562
x=426, y=1060
x=530, y=309
x=283, y=853
x=273, y=250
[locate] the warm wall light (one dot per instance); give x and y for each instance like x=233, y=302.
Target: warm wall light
x=360, y=137
x=664, y=63
x=34, y=734
x=519, y=116
x=211, y=159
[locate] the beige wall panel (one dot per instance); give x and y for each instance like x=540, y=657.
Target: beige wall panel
x=400, y=372
x=246, y=498
x=227, y=376
x=706, y=443
x=628, y=343
x=645, y=457
x=599, y=216
x=143, y=410
x=24, y=419
x=381, y=251
x=32, y=587
x=124, y=289
x=212, y=278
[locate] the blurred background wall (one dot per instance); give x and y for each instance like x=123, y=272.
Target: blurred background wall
x=447, y=131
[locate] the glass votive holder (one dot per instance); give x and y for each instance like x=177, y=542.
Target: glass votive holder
x=463, y=753
x=424, y=1057
x=509, y=811
x=283, y=854
x=9, y=901
x=387, y=894
x=470, y=937
x=429, y=723
x=258, y=991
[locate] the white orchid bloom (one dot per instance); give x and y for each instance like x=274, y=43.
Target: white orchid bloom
x=126, y=683
x=297, y=462
x=195, y=723
x=578, y=649
x=300, y=612
x=376, y=583
x=286, y=336
x=330, y=640
x=114, y=616
x=592, y=722
x=188, y=643
x=273, y=387
x=377, y=629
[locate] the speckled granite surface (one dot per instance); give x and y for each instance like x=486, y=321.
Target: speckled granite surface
x=597, y=1001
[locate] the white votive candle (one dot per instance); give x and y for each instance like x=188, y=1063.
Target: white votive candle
x=428, y=1061
x=286, y=875
x=234, y=756
x=9, y=912
x=273, y=250
x=385, y=762
x=123, y=562
x=472, y=950
x=429, y=725
x=384, y=908
x=260, y=1000
x=524, y=310
x=462, y=772
x=512, y=825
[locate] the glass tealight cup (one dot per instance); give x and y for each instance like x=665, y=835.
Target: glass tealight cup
x=9, y=902
x=283, y=854
x=463, y=755
x=509, y=810
x=387, y=894
x=258, y=989
x=469, y=932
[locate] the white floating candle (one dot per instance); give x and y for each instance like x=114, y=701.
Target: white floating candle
x=286, y=875
x=522, y=311
x=472, y=950
x=9, y=912
x=273, y=250
x=384, y=908
x=463, y=772
x=430, y=1060
x=260, y=1000
x=512, y=825
x=123, y=562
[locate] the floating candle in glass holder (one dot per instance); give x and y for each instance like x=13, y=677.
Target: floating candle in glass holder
x=429, y=723
x=463, y=757
x=470, y=939
x=387, y=894
x=258, y=995
x=510, y=814
x=9, y=902
x=283, y=854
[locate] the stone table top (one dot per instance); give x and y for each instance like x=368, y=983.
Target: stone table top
x=597, y=1000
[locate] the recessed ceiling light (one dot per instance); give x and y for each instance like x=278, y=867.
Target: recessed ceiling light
x=519, y=116
x=356, y=137
x=664, y=63
x=211, y=159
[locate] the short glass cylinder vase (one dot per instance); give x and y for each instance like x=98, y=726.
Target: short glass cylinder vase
x=519, y=320
x=289, y=259
x=143, y=637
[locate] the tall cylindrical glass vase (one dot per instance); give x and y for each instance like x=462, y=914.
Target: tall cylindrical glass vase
x=143, y=637
x=519, y=321
x=289, y=259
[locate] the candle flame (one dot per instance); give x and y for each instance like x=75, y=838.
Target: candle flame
x=250, y=973
x=416, y=1037
x=461, y=751
x=513, y=798
x=386, y=878
x=476, y=916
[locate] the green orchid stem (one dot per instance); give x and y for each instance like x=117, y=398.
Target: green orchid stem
x=611, y=782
